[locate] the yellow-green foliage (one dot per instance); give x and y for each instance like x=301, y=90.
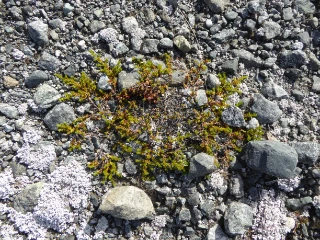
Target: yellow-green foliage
x=150, y=129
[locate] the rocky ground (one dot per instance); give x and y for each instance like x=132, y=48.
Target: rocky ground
x=271, y=190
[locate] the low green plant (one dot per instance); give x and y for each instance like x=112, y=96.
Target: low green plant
x=151, y=123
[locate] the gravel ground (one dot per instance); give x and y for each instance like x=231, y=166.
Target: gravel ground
x=272, y=189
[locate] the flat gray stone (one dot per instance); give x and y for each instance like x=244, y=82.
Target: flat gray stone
x=238, y=218
x=200, y=165
x=273, y=91
x=127, y=202
x=61, y=113
x=230, y=66
x=271, y=157
x=298, y=203
x=308, y=152
x=166, y=43
x=46, y=96
x=267, y=111
x=314, y=63
x=48, y=62
x=233, y=117
x=150, y=46
x=8, y=110
x=224, y=36
x=217, y=6
x=36, y=78
x=247, y=58
x=26, y=200
x=38, y=31
x=128, y=79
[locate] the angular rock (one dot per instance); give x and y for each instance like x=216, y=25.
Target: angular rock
x=236, y=187
x=48, y=62
x=9, y=82
x=308, y=152
x=38, y=32
x=292, y=58
x=238, y=218
x=127, y=202
x=127, y=79
x=233, y=117
x=129, y=24
x=67, y=8
x=119, y=49
x=26, y=200
x=96, y=26
x=61, y=113
x=271, y=157
x=150, y=46
x=36, y=78
x=216, y=233
x=267, y=111
x=166, y=43
x=184, y=215
x=109, y=35
x=8, y=110
x=178, y=78
x=298, y=203
x=212, y=81
x=103, y=83
x=304, y=37
x=230, y=66
x=182, y=43
x=201, y=97
x=305, y=7
x=46, y=96
x=217, y=6
x=314, y=63
x=270, y=29
x=224, y=36
x=247, y=58
x=200, y=165
x=273, y=91
x=316, y=84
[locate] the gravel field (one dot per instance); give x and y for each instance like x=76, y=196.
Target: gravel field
x=270, y=190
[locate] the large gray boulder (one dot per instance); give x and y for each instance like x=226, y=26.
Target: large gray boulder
x=271, y=157
x=127, y=202
x=238, y=218
x=61, y=113
x=38, y=31
x=267, y=111
x=200, y=165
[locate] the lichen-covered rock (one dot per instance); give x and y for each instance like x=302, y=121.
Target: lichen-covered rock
x=127, y=202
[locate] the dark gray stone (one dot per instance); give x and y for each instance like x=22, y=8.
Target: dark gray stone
x=216, y=233
x=292, y=58
x=57, y=23
x=200, y=165
x=18, y=169
x=236, y=187
x=119, y=49
x=46, y=96
x=273, y=91
x=166, y=43
x=212, y=81
x=271, y=157
x=233, y=117
x=8, y=110
x=127, y=202
x=298, y=203
x=38, y=32
x=127, y=80
x=267, y=111
x=238, y=218
x=130, y=167
x=298, y=95
x=48, y=62
x=184, y=215
x=67, y=8
x=314, y=63
x=28, y=198
x=308, y=152
x=194, y=199
x=36, y=78
x=61, y=113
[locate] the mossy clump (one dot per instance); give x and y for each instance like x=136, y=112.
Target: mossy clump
x=151, y=122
